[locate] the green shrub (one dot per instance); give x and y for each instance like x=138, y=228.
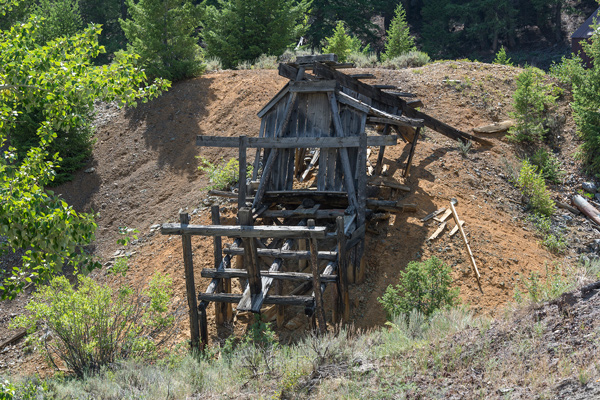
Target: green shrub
x=424, y=286
x=265, y=62
x=412, y=59
x=340, y=43
x=568, y=71
x=538, y=289
x=553, y=238
x=223, y=176
x=532, y=185
x=549, y=166
x=93, y=326
x=361, y=60
x=531, y=101
x=213, y=64
x=502, y=58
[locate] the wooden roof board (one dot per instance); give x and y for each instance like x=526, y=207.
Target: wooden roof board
x=585, y=30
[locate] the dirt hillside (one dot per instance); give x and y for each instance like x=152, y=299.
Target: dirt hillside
x=145, y=169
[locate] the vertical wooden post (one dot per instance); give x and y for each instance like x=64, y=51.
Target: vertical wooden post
x=222, y=310
x=242, y=187
x=359, y=264
x=250, y=254
x=203, y=327
x=280, y=308
x=314, y=248
x=344, y=297
x=190, y=285
x=379, y=165
x=412, y=152
x=302, y=264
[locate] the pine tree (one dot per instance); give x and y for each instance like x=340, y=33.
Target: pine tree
x=502, y=58
x=61, y=18
x=399, y=41
x=242, y=30
x=162, y=32
x=339, y=43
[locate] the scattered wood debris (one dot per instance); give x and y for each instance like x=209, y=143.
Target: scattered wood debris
x=443, y=217
x=585, y=207
x=496, y=127
x=466, y=242
x=433, y=214
x=438, y=232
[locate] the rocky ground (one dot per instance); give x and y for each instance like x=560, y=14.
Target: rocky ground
x=144, y=170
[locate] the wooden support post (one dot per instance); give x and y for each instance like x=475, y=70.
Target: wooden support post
x=466, y=242
x=203, y=328
x=379, y=165
x=250, y=256
x=190, y=285
x=242, y=187
x=280, y=308
x=343, y=270
x=412, y=152
x=317, y=281
x=223, y=311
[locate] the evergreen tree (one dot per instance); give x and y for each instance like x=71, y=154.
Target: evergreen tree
x=399, y=41
x=61, y=19
x=339, y=43
x=162, y=33
x=242, y=30
x=107, y=14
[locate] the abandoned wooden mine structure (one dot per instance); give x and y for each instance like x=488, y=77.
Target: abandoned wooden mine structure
x=319, y=120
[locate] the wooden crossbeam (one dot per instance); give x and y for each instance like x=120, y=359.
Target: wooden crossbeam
x=319, y=214
x=306, y=301
x=363, y=76
x=295, y=232
x=281, y=253
x=240, y=273
x=364, y=107
x=313, y=87
x=295, y=142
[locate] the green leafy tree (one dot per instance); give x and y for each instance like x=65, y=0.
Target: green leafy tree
x=61, y=18
x=163, y=34
x=242, y=30
x=58, y=78
x=399, y=41
x=423, y=286
x=586, y=103
x=340, y=43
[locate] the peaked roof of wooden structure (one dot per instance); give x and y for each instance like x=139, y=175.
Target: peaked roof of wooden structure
x=585, y=31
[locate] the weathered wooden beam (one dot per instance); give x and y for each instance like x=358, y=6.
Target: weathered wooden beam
x=362, y=76
x=295, y=232
x=280, y=95
x=413, y=147
x=324, y=58
x=394, y=101
x=387, y=182
x=316, y=279
x=242, y=171
x=403, y=94
x=364, y=107
x=296, y=142
x=379, y=164
x=285, y=254
x=319, y=214
x=433, y=214
x=190, y=285
x=415, y=103
x=585, y=207
x=250, y=255
x=466, y=242
x=221, y=310
x=313, y=86
x=306, y=301
x=288, y=276
x=344, y=296
x=385, y=86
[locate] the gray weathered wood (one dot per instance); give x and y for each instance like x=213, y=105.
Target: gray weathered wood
x=289, y=276
x=203, y=326
x=250, y=255
x=284, y=91
x=190, y=285
x=344, y=296
x=313, y=86
x=314, y=263
x=243, y=141
x=303, y=213
x=385, y=86
x=244, y=231
x=402, y=94
x=359, y=105
x=311, y=165
x=285, y=254
x=379, y=164
x=296, y=142
x=306, y=301
x=362, y=76
x=311, y=59
x=415, y=103
x=412, y=152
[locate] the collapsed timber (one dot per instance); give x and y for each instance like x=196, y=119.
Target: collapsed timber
x=321, y=120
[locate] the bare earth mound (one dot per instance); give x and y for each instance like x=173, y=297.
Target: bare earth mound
x=144, y=170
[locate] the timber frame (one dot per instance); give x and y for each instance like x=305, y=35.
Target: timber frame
x=320, y=117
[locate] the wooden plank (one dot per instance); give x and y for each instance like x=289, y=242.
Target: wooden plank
x=362, y=76
x=221, y=311
x=415, y=103
x=388, y=121
x=313, y=86
x=297, y=142
x=413, y=146
x=311, y=59
x=385, y=86
x=394, y=101
x=19, y=335
x=203, y=326
x=316, y=279
x=306, y=301
x=244, y=231
x=379, y=163
x=359, y=105
x=280, y=95
x=303, y=213
x=437, y=233
x=389, y=183
x=190, y=285
x=443, y=217
x=285, y=254
x=250, y=256
x=344, y=296
x=312, y=164
x=242, y=172
x=289, y=276
x=455, y=229
x=466, y=242
x=433, y=214
x=357, y=236
x=403, y=94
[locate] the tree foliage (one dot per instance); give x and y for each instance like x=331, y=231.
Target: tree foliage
x=242, y=30
x=61, y=18
x=163, y=34
x=340, y=43
x=399, y=41
x=58, y=78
